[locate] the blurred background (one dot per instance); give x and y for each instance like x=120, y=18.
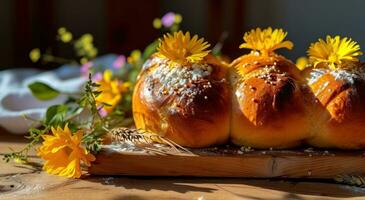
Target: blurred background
x=119, y=26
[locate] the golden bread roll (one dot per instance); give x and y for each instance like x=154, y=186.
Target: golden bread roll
x=268, y=110
x=337, y=84
x=182, y=93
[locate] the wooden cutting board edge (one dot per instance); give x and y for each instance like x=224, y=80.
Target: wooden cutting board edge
x=257, y=164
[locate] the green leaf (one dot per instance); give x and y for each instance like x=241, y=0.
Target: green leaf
x=150, y=49
x=133, y=76
x=34, y=132
x=73, y=127
x=56, y=115
x=42, y=91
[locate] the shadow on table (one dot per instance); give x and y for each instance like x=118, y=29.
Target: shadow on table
x=5, y=136
x=292, y=189
x=151, y=183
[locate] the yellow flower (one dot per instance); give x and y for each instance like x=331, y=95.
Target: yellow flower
x=182, y=49
x=334, y=52
x=178, y=18
x=61, y=30
x=86, y=38
x=266, y=40
x=64, y=35
x=111, y=91
x=134, y=57
x=19, y=160
x=83, y=60
x=35, y=55
x=157, y=23
x=84, y=46
x=302, y=62
x=63, y=154
x=67, y=37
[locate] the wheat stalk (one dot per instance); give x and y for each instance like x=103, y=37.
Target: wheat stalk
x=147, y=140
x=355, y=180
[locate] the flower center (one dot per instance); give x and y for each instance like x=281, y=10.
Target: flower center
x=67, y=150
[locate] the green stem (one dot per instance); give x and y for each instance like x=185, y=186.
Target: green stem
x=52, y=58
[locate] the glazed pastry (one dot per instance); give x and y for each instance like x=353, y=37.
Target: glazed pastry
x=268, y=110
x=336, y=82
x=182, y=93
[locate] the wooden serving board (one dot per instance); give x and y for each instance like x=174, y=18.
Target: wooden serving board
x=231, y=162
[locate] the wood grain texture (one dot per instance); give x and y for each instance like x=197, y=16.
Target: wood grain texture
x=19, y=182
x=256, y=164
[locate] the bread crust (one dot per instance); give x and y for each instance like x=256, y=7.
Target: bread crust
x=268, y=109
x=190, y=108
x=338, y=109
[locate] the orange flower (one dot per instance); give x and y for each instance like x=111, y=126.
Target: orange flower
x=63, y=153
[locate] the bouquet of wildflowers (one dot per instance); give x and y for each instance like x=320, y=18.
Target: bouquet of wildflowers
x=72, y=133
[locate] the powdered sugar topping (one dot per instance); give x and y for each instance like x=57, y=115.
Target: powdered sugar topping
x=178, y=79
x=340, y=74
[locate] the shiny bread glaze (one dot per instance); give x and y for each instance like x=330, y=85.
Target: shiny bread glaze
x=338, y=107
x=268, y=108
x=187, y=104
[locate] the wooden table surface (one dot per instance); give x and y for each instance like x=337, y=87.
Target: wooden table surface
x=29, y=182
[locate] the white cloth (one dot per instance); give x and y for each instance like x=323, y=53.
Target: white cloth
x=16, y=100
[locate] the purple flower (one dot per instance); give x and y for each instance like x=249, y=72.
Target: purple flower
x=85, y=68
x=168, y=19
x=102, y=112
x=98, y=76
x=119, y=62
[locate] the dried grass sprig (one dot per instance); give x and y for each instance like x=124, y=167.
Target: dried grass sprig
x=354, y=180
x=147, y=140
